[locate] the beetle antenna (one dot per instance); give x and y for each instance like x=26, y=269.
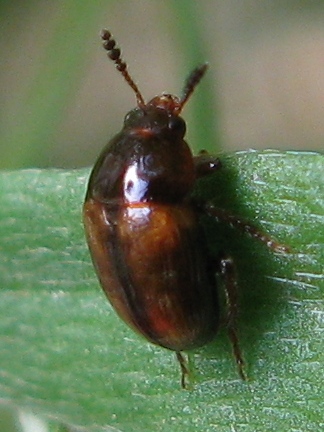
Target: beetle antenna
x=114, y=54
x=191, y=83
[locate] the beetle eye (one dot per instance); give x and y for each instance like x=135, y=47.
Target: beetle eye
x=177, y=125
x=133, y=117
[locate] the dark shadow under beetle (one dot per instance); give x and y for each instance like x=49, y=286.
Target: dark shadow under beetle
x=261, y=300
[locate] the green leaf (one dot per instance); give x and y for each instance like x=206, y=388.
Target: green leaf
x=65, y=355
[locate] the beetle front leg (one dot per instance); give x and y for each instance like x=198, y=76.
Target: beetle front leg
x=228, y=273
x=206, y=164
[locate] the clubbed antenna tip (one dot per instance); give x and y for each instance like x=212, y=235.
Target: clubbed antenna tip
x=114, y=54
x=192, y=82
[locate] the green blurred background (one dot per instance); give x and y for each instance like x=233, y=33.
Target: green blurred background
x=61, y=100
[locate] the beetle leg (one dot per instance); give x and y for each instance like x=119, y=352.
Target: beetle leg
x=227, y=269
x=184, y=369
x=242, y=225
x=205, y=164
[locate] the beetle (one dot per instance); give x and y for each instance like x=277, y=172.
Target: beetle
x=144, y=232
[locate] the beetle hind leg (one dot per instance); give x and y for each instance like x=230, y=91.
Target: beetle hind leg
x=227, y=269
x=184, y=369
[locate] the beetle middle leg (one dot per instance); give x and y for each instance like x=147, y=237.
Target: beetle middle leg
x=205, y=164
x=242, y=225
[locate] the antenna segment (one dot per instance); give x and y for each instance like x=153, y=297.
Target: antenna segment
x=115, y=55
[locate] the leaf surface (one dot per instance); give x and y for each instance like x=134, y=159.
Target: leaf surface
x=64, y=354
